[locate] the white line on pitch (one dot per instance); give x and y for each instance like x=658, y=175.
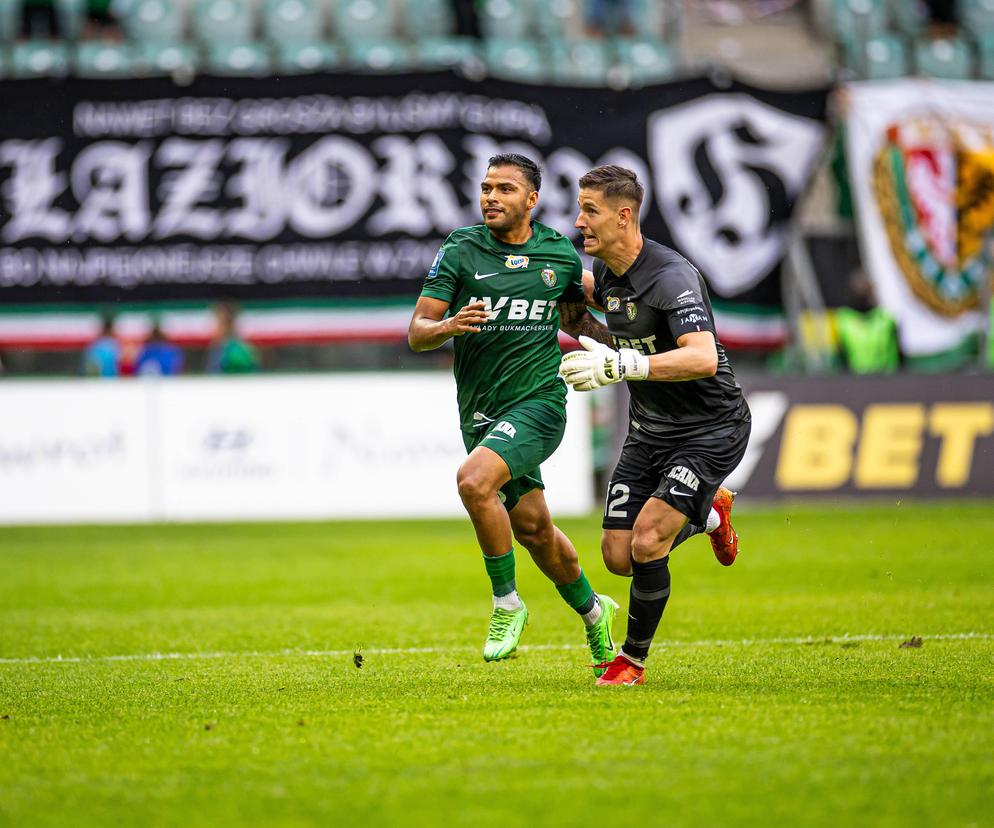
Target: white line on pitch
x=745, y=642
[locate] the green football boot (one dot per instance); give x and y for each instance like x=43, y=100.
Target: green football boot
x=504, y=633
x=599, y=636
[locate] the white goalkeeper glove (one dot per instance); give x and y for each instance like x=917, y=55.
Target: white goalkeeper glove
x=598, y=365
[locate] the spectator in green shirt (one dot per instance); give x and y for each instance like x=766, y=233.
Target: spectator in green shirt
x=228, y=354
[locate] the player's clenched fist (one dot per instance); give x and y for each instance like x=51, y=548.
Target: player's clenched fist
x=598, y=365
x=468, y=319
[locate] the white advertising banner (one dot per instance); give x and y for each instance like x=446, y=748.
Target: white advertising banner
x=74, y=451
x=921, y=165
x=253, y=448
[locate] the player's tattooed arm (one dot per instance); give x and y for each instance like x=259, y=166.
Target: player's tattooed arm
x=576, y=320
x=430, y=327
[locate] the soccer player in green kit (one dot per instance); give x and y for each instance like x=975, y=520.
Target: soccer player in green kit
x=502, y=289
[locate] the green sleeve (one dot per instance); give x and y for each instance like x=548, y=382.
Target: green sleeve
x=442, y=281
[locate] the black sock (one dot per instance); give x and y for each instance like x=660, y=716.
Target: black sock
x=647, y=600
x=688, y=531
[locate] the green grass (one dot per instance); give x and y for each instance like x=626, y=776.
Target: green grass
x=756, y=711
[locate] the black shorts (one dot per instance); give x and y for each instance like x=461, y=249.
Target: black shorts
x=685, y=475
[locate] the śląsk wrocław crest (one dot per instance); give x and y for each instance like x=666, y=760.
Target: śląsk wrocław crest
x=934, y=185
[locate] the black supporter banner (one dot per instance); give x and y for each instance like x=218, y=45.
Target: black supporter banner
x=344, y=186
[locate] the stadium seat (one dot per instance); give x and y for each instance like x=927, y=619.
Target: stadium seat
x=858, y=19
x=104, y=59
x=515, y=59
x=882, y=57
x=237, y=58
x=39, y=58
x=446, y=52
x=945, y=58
x=909, y=16
x=156, y=20
x=10, y=19
x=71, y=15
x=505, y=19
x=226, y=21
x=654, y=19
x=646, y=60
x=985, y=56
x=155, y=58
x=578, y=62
x=427, y=18
x=292, y=21
x=362, y=19
x=558, y=18
x=384, y=55
x=977, y=16
x=301, y=57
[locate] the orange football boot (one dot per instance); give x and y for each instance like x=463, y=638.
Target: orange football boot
x=724, y=540
x=621, y=671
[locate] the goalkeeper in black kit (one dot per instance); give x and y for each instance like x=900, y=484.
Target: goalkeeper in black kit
x=689, y=423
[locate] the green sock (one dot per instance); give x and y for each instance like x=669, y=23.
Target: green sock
x=579, y=594
x=501, y=572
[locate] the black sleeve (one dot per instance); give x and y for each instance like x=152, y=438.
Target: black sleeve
x=598, y=271
x=677, y=290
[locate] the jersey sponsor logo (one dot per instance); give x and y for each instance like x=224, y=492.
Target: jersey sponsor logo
x=613, y=303
x=646, y=345
x=686, y=297
x=631, y=311
x=433, y=270
x=549, y=277
x=516, y=262
x=516, y=310
x=479, y=275
x=684, y=475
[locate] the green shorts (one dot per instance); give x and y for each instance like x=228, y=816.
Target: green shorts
x=525, y=437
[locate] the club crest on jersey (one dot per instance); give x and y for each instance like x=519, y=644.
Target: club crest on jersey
x=516, y=262
x=630, y=311
x=613, y=303
x=549, y=277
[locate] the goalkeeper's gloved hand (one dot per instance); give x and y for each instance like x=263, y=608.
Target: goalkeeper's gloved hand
x=598, y=365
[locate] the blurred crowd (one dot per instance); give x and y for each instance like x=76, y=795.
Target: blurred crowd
x=111, y=356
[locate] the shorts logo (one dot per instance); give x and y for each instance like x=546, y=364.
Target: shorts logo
x=549, y=277
x=685, y=476
x=630, y=311
x=613, y=303
x=516, y=262
x=504, y=427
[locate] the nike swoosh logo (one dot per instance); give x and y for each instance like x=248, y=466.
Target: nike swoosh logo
x=486, y=275
x=496, y=437
x=680, y=494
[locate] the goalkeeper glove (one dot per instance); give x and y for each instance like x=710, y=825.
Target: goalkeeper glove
x=598, y=365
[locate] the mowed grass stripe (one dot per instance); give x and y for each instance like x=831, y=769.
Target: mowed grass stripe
x=726, y=642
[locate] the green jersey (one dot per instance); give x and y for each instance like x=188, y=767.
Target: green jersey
x=515, y=357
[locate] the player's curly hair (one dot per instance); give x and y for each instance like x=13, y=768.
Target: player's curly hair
x=530, y=170
x=615, y=182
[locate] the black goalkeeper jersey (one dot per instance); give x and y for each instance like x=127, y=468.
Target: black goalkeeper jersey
x=658, y=299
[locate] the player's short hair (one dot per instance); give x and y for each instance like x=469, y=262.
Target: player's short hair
x=530, y=170
x=615, y=182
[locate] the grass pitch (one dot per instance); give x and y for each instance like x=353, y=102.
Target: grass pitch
x=208, y=677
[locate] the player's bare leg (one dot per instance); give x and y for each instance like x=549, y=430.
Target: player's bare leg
x=556, y=556
x=656, y=528
x=479, y=480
